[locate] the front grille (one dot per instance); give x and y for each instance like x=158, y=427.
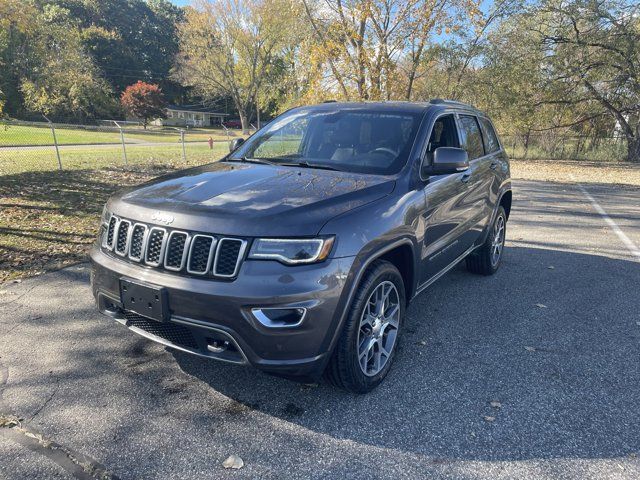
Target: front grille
x=155, y=246
x=228, y=257
x=121, y=240
x=200, y=255
x=111, y=232
x=171, y=332
x=137, y=242
x=175, y=250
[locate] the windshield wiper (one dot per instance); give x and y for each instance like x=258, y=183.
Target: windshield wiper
x=250, y=160
x=304, y=164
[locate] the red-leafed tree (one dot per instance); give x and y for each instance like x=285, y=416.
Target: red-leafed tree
x=143, y=100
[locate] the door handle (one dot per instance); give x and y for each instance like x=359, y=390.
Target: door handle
x=465, y=178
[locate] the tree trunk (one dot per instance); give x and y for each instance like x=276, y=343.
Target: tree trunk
x=244, y=120
x=633, y=149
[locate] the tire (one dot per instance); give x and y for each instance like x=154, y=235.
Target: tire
x=483, y=261
x=374, y=335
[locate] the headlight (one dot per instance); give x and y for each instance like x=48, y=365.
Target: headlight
x=291, y=251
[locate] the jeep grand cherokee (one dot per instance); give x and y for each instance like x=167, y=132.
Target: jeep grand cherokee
x=299, y=251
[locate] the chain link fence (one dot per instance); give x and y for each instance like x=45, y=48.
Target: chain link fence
x=45, y=146
x=565, y=147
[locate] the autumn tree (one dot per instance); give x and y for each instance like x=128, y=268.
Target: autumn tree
x=230, y=48
x=374, y=49
x=144, y=101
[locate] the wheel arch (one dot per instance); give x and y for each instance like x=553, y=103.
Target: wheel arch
x=395, y=250
x=505, y=202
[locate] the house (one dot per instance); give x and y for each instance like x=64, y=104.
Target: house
x=190, y=116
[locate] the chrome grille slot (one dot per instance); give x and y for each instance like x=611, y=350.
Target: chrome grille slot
x=155, y=246
x=201, y=254
x=228, y=257
x=137, y=242
x=111, y=233
x=176, y=251
x=122, y=238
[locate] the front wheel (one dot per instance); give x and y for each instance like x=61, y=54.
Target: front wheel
x=367, y=346
x=486, y=259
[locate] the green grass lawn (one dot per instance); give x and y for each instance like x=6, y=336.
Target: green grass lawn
x=21, y=135
x=14, y=161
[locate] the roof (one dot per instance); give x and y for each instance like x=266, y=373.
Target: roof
x=194, y=109
x=394, y=105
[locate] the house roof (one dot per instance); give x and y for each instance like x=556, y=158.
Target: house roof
x=195, y=109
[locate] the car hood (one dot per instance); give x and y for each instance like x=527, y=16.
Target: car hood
x=244, y=199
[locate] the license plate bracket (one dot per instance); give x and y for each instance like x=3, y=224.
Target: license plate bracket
x=147, y=300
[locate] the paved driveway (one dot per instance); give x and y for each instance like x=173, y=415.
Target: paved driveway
x=554, y=337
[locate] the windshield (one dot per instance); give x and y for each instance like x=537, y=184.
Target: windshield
x=350, y=140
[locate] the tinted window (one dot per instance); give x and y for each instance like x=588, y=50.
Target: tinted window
x=443, y=134
x=347, y=139
x=471, y=136
x=490, y=138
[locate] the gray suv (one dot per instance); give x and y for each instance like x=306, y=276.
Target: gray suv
x=299, y=252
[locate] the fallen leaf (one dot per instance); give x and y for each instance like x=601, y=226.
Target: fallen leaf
x=233, y=461
x=530, y=349
x=495, y=404
x=422, y=342
x=17, y=280
x=489, y=418
x=541, y=305
x=551, y=267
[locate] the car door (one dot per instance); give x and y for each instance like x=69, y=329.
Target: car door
x=476, y=204
x=445, y=198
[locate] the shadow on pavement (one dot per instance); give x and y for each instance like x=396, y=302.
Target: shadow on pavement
x=552, y=337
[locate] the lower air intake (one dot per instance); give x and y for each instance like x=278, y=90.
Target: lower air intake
x=171, y=332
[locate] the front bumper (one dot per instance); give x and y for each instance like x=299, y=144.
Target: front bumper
x=205, y=311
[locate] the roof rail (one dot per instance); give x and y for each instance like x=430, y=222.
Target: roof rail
x=330, y=101
x=437, y=101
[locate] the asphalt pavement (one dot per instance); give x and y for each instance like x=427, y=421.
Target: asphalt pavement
x=531, y=373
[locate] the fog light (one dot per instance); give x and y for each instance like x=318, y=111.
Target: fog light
x=279, y=317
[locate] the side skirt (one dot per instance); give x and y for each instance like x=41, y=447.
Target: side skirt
x=422, y=287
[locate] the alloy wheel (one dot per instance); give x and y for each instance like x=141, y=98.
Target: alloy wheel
x=497, y=243
x=378, y=328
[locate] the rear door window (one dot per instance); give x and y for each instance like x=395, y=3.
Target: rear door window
x=490, y=138
x=471, y=136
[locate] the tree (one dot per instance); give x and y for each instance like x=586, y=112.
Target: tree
x=593, y=60
x=229, y=48
x=130, y=39
x=373, y=49
x=44, y=66
x=143, y=100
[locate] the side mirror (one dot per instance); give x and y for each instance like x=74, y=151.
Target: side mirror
x=448, y=160
x=235, y=143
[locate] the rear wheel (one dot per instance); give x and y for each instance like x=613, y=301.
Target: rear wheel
x=486, y=259
x=367, y=346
